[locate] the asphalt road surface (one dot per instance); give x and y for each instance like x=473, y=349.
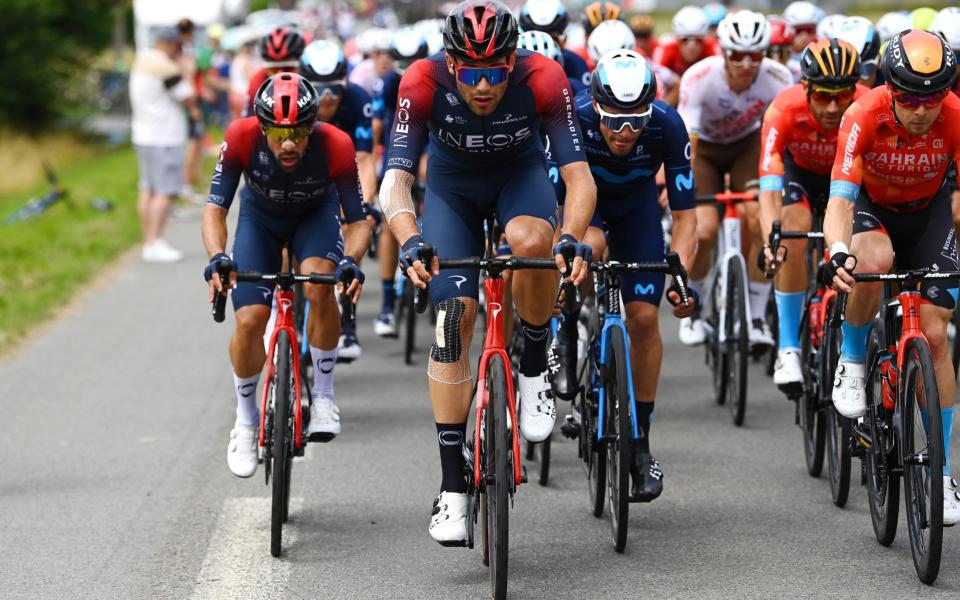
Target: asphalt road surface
x=114, y=484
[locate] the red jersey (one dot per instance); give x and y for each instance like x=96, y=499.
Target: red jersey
x=668, y=54
x=256, y=80
x=789, y=126
x=875, y=151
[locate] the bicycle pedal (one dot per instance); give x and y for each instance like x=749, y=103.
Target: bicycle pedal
x=455, y=544
x=321, y=437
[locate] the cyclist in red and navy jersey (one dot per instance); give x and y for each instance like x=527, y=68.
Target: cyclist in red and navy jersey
x=797, y=147
x=482, y=103
x=889, y=201
x=280, y=50
x=299, y=175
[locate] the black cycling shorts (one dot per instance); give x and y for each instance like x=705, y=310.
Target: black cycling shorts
x=803, y=187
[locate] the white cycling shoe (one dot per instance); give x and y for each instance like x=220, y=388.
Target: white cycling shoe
x=760, y=334
x=538, y=409
x=242, y=451
x=849, y=393
x=692, y=331
x=385, y=325
x=324, y=420
x=448, y=523
x=787, y=374
x=951, y=502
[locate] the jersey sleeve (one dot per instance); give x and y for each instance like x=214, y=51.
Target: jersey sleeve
x=235, y=152
x=847, y=173
x=690, y=106
x=343, y=171
x=676, y=161
x=377, y=102
x=363, y=132
x=411, y=121
x=775, y=128
x=554, y=101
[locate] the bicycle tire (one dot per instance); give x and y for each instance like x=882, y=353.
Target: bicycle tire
x=922, y=478
x=596, y=468
x=499, y=477
x=837, y=427
x=716, y=358
x=619, y=434
x=816, y=389
x=738, y=342
x=281, y=441
x=883, y=486
x=955, y=347
x=773, y=319
x=409, y=324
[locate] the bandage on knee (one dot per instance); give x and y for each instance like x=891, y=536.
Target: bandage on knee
x=448, y=355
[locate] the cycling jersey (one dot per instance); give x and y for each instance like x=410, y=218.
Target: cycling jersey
x=667, y=54
x=256, y=80
x=537, y=95
x=790, y=128
x=666, y=79
x=354, y=115
x=898, y=171
x=327, y=172
x=385, y=100
x=714, y=113
x=575, y=67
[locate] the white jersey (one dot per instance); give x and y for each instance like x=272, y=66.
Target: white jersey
x=714, y=113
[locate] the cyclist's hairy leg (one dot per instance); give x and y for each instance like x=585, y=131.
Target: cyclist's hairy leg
x=389, y=252
x=874, y=254
x=532, y=237
x=646, y=349
x=708, y=221
x=752, y=237
x=323, y=325
x=247, y=353
x=792, y=275
x=933, y=320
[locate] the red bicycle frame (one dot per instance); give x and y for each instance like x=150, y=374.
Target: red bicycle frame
x=284, y=322
x=493, y=345
x=910, y=304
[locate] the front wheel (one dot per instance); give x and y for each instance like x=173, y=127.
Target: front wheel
x=922, y=450
x=618, y=431
x=737, y=346
x=498, y=476
x=816, y=389
x=282, y=440
x=716, y=357
x=883, y=485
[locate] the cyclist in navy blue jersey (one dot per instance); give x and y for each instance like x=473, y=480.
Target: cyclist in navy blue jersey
x=542, y=43
x=300, y=175
x=482, y=104
x=348, y=107
x=550, y=16
x=629, y=137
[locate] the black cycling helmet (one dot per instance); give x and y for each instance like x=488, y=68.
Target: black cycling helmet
x=286, y=100
x=480, y=30
x=281, y=45
x=623, y=79
x=830, y=62
x=919, y=62
x=544, y=15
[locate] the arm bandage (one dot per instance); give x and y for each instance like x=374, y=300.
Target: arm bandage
x=395, y=194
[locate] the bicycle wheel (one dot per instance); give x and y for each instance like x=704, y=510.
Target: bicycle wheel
x=544, y=452
x=922, y=450
x=955, y=352
x=282, y=457
x=738, y=342
x=809, y=411
x=498, y=477
x=596, y=468
x=618, y=430
x=883, y=486
x=837, y=427
x=716, y=358
x=773, y=319
x=409, y=323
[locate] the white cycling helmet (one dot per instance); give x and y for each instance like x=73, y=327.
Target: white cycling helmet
x=947, y=25
x=744, y=31
x=540, y=42
x=860, y=33
x=801, y=13
x=323, y=60
x=827, y=27
x=623, y=80
x=892, y=23
x=544, y=15
x=610, y=35
x=690, y=21
x=381, y=39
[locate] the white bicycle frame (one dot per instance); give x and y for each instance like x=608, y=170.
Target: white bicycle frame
x=729, y=245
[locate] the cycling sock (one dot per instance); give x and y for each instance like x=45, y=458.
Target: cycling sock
x=644, y=420
x=946, y=421
x=389, y=295
x=247, y=413
x=759, y=295
x=854, y=346
x=323, y=363
x=567, y=327
x=450, y=437
x=348, y=329
x=790, y=311
x=533, y=361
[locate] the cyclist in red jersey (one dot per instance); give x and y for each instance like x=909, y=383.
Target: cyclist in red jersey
x=691, y=43
x=642, y=27
x=888, y=199
x=797, y=147
x=280, y=50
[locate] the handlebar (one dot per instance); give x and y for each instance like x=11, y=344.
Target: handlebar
x=728, y=198
x=420, y=295
x=914, y=275
x=284, y=280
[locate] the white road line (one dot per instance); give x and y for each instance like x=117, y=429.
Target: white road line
x=238, y=562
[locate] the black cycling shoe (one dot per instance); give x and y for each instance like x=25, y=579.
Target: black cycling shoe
x=647, y=478
x=562, y=362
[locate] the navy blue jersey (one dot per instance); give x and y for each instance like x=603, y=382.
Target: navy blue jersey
x=537, y=95
x=354, y=115
x=575, y=67
x=385, y=100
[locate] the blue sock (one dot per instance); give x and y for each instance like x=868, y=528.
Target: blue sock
x=854, y=346
x=389, y=295
x=946, y=421
x=790, y=311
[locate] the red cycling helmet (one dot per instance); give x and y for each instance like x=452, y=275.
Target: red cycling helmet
x=480, y=30
x=781, y=32
x=282, y=47
x=286, y=100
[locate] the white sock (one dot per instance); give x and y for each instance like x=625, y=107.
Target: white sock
x=248, y=414
x=323, y=363
x=759, y=295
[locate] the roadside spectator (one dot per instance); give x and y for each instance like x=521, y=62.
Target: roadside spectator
x=160, y=90
x=244, y=65
x=196, y=126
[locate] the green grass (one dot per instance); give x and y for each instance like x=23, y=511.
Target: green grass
x=45, y=261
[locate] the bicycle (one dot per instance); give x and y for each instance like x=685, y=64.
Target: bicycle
x=37, y=206
x=608, y=420
x=901, y=386
x=495, y=465
x=283, y=415
x=729, y=319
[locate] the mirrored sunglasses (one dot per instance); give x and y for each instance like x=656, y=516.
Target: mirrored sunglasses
x=473, y=75
x=616, y=122
x=282, y=134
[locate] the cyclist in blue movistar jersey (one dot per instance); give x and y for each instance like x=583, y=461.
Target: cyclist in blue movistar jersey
x=482, y=103
x=551, y=17
x=629, y=137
